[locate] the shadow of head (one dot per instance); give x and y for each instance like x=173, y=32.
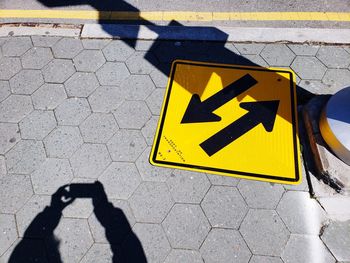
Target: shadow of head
x=39, y=243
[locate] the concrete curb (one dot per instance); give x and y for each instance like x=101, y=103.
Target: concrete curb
x=39, y=30
x=241, y=34
x=190, y=33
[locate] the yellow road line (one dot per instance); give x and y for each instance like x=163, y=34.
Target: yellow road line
x=178, y=15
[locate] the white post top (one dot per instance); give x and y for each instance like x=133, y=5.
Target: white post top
x=335, y=124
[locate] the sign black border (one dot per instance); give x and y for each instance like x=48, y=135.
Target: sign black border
x=164, y=111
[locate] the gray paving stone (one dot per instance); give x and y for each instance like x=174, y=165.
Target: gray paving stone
x=277, y=55
x=138, y=64
x=249, y=49
x=154, y=242
x=225, y=245
x=3, y=40
x=155, y=101
x=186, y=226
x=90, y=160
x=314, y=86
x=120, y=180
x=149, y=130
x=49, y=96
x=106, y=99
x=45, y=41
x=118, y=50
x=306, y=248
x=72, y=111
x=81, y=207
x=16, y=46
x=222, y=180
x=132, y=114
x=126, y=145
x=121, y=227
x=334, y=57
x=15, y=191
x=58, y=70
x=4, y=90
x=260, y=194
x=308, y=67
x=29, y=211
x=9, y=67
x=188, y=187
x=98, y=128
x=15, y=108
x=337, y=79
x=89, y=60
x=264, y=259
x=36, y=58
x=98, y=253
x=300, y=213
x=270, y=230
x=137, y=87
x=9, y=136
x=143, y=45
x=112, y=73
x=159, y=78
x=81, y=84
x=151, y=202
x=37, y=125
x=256, y=60
x=63, y=142
x=75, y=239
x=3, y=169
x=25, y=157
x=150, y=172
x=52, y=174
x=67, y=48
x=230, y=46
x=224, y=207
x=95, y=43
x=336, y=236
x=26, y=81
x=304, y=49
x=8, y=232
x=347, y=49
x=182, y=255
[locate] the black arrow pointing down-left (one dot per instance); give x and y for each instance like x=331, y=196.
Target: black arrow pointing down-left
x=202, y=111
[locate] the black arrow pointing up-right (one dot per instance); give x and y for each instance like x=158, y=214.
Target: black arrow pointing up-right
x=202, y=111
x=263, y=112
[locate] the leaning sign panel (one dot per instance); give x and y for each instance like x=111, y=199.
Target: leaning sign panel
x=230, y=120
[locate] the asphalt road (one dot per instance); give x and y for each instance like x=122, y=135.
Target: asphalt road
x=189, y=5
x=279, y=7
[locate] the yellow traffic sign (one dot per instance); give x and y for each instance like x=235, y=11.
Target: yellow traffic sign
x=230, y=120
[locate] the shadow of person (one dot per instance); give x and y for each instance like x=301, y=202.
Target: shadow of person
x=39, y=243
x=117, y=228
x=45, y=245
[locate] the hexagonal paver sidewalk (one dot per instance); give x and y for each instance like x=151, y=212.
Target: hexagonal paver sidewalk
x=77, y=122
x=186, y=226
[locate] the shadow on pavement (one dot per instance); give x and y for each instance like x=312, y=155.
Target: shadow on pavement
x=39, y=243
x=162, y=53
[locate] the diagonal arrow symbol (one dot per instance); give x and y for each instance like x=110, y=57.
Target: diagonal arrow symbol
x=263, y=112
x=202, y=111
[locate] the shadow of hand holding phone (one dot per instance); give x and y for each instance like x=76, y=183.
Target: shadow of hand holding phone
x=39, y=243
